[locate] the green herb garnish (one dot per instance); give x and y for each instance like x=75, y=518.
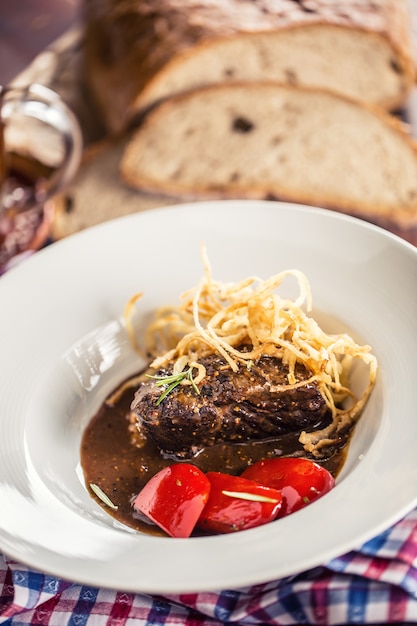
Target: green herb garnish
x=173, y=381
x=103, y=497
x=243, y=495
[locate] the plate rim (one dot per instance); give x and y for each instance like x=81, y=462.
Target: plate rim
x=18, y=274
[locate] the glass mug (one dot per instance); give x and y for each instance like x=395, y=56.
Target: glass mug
x=40, y=151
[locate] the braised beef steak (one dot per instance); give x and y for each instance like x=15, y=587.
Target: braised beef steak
x=231, y=407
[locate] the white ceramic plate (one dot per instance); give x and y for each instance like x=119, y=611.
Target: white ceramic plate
x=63, y=347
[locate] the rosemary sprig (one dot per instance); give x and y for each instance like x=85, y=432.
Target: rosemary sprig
x=103, y=497
x=173, y=381
x=252, y=497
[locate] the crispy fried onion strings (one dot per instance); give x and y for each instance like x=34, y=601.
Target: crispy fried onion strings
x=217, y=317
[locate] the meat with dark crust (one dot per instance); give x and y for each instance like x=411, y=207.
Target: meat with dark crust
x=231, y=407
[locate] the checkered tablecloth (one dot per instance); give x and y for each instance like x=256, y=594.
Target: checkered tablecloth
x=377, y=584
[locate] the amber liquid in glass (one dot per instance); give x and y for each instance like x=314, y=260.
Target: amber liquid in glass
x=23, y=190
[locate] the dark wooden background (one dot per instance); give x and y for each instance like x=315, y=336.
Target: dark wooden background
x=27, y=27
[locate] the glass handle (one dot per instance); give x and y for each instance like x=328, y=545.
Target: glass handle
x=49, y=108
x=40, y=146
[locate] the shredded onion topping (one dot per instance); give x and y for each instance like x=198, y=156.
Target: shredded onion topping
x=216, y=317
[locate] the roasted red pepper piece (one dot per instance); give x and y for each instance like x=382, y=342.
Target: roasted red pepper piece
x=237, y=503
x=300, y=480
x=174, y=498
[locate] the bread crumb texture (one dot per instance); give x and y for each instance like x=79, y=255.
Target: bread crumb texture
x=257, y=140
x=139, y=52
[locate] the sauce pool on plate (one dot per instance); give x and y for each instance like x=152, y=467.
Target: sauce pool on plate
x=120, y=462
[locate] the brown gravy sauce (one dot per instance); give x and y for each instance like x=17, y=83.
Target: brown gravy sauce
x=114, y=457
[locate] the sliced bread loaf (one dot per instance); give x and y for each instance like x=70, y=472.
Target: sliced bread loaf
x=137, y=53
x=264, y=140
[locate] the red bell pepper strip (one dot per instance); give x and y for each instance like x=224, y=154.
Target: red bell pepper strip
x=237, y=503
x=174, y=498
x=300, y=480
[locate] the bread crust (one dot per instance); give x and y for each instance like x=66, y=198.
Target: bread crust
x=132, y=45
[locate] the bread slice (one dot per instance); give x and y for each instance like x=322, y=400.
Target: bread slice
x=137, y=53
x=264, y=140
